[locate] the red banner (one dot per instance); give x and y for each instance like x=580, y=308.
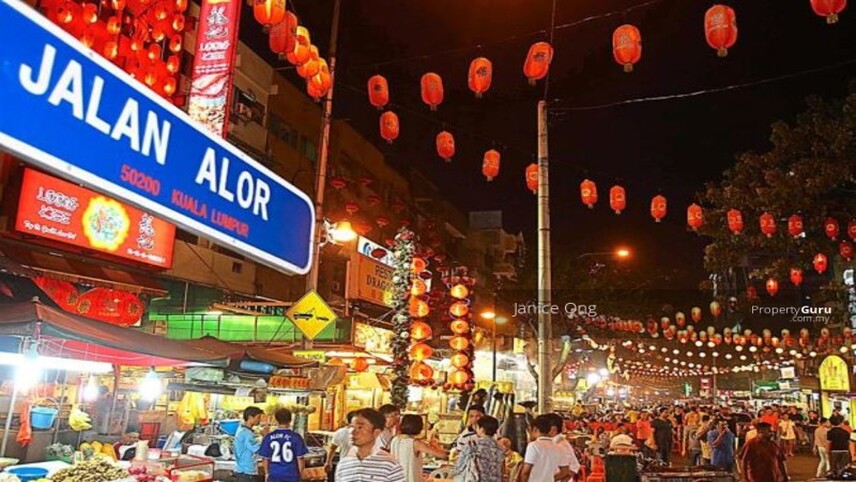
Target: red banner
x=216, y=44
x=61, y=211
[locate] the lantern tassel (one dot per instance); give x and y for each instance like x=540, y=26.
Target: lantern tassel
x=628, y=68
x=489, y=179
x=830, y=19
x=722, y=52
x=478, y=95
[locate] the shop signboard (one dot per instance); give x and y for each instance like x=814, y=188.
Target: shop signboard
x=370, y=280
x=317, y=355
x=367, y=247
x=53, y=209
x=311, y=315
x=833, y=374
x=72, y=112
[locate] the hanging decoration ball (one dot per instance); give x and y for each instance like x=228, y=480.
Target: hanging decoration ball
x=490, y=165
x=617, y=199
x=459, y=309
x=418, y=308
x=419, y=287
x=588, y=193
x=459, y=343
x=420, y=331
x=658, y=207
x=378, y=91
x=459, y=378
x=420, y=352
x=282, y=37
x=418, y=265
x=627, y=46
x=389, y=128
x=695, y=216
x=301, y=51
x=459, y=291
x=720, y=28
x=312, y=66
x=432, y=90
x=537, y=62
x=768, y=224
x=446, y=146
x=772, y=286
x=321, y=82
x=795, y=225
x=480, y=76
x=459, y=327
x=735, y=221
x=532, y=177
x=796, y=276
x=359, y=364
x=459, y=360
x=851, y=229
x=829, y=9
x=269, y=12
x=820, y=263
x=421, y=373
x=845, y=249
x=830, y=227
x=715, y=309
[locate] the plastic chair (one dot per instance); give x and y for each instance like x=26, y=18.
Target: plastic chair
x=447, y=473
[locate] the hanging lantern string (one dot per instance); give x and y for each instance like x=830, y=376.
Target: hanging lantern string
x=512, y=38
x=659, y=98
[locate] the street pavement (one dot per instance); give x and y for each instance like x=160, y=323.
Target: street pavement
x=801, y=467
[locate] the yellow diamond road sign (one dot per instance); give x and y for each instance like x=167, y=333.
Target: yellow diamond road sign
x=311, y=314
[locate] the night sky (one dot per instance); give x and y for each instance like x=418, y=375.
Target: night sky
x=671, y=147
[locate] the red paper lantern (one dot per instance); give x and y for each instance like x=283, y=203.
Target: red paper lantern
x=830, y=227
x=532, y=177
x=828, y=8
x=459, y=377
x=480, y=76
x=772, y=286
x=459, y=327
x=768, y=224
x=490, y=165
x=820, y=263
x=420, y=330
x=751, y=293
x=312, y=66
x=680, y=319
x=715, y=309
x=459, y=360
x=351, y=208
x=432, y=90
x=418, y=265
x=627, y=46
x=851, y=229
x=695, y=216
x=588, y=193
x=796, y=276
x=421, y=373
x=269, y=12
x=720, y=28
x=695, y=314
x=735, y=221
x=459, y=292
x=459, y=343
x=389, y=128
x=845, y=249
x=378, y=91
x=538, y=62
x=446, y=145
x=658, y=208
x=420, y=352
x=359, y=364
x=301, y=51
x=459, y=309
x=617, y=199
x=382, y=222
x=418, y=308
x=795, y=225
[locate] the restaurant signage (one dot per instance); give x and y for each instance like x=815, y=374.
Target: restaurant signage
x=833, y=374
x=211, y=83
x=370, y=280
x=53, y=209
x=72, y=112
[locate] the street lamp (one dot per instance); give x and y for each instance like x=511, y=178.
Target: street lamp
x=620, y=253
x=336, y=233
x=497, y=320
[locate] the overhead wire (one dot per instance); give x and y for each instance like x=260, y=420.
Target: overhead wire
x=552, y=46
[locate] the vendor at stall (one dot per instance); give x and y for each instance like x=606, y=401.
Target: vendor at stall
x=247, y=446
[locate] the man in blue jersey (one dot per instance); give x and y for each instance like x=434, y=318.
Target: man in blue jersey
x=283, y=451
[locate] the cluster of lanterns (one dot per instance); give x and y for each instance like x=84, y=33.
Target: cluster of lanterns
x=293, y=42
x=462, y=338
x=103, y=304
x=420, y=332
x=143, y=37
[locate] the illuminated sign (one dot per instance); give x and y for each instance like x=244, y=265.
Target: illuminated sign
x=72, y=112
x=833, y=374
x=370, y=280
x=61, y=211
x=367, y=247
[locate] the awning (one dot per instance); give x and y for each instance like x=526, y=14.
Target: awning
x=71, y=336
x=67, y=268
x=237, y=352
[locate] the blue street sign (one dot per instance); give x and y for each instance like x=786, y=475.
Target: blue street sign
x=70, y=111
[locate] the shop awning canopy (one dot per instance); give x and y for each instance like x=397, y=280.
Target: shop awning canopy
x=69, y=336
x=261, y=354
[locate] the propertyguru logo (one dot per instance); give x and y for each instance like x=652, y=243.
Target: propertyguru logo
x=797, y=314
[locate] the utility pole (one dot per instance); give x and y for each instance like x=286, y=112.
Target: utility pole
x=545, y=322
x=323, y=154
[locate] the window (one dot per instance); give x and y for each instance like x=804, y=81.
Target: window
x=237, y=267
x=281, y=129
x=183, y=235
x=187, y=64
x=308, y=149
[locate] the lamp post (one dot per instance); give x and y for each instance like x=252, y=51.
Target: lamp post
x=495, y=320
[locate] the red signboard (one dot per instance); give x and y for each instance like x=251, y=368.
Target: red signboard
x=61, y=211
x=211, y=85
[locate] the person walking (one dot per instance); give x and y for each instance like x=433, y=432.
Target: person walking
x=787, y=434
x=722, y=446
x=341, y=442
x=821, y=446
x=410, y=451
x=663, y=430
x=556, y=426
x=761, y=459
x=283, y=451
x=483, y=458
x=367, y=461
x=703, y=429
x=246, y=447
x=839, y=444
x=544, y=460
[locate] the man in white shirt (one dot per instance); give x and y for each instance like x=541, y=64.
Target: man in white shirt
x=341, y=441
x=474, y=414
x=544, y=460
x=557, y=425
x=365, y=461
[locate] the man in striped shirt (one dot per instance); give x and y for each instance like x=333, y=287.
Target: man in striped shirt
x=366, y=462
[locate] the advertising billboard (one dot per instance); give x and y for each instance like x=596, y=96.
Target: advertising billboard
x=53, y=209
